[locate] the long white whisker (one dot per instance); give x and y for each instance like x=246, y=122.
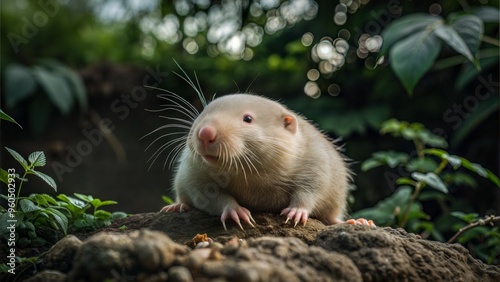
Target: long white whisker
x=161, y=137
x=163, y=127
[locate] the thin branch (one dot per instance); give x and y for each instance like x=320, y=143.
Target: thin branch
x=491, y=219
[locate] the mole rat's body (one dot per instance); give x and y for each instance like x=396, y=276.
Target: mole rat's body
x=246, y=153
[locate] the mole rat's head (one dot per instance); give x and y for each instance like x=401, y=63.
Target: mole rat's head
x=243, y=131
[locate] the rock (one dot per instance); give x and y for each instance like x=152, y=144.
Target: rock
x=109, y=255
x=60, y=256
x=385, y=254
x=179, y=274
x=285, y=259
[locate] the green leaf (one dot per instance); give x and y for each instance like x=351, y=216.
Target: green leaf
x=6, y=117
x=118, y=215
x=481, y=171
x=73, y=80
x=385, y=211
x=412, y=57
x=59, y=217
x=167, y=200
x=405, y=26
x=405, y=181
x=422, y=165
x=365, y=166
x=56, y=88
x=451, y=37
x=4, y=176
x=430, y=179
x=488, y=14
x=37, y=158
x=49, y=180
x=471, y=29
x=18, y=158
x=459, y=178
x=72, y=201
x=391, y=158
x=467, y=217
x=28, y=206
x=431, y=139
x=19, y=84
x=102, y=214
x=84, y=198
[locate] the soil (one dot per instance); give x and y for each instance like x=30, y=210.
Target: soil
x=163, y=247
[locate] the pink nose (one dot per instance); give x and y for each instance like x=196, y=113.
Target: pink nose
x=207, y=135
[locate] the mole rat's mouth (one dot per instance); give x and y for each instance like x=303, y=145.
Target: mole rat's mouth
x=210, y=159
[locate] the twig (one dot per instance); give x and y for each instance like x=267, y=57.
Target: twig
x=491, y=219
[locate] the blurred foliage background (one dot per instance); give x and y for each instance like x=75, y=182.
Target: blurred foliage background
x=73, y=75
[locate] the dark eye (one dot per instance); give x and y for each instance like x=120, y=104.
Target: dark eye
x=247, y=118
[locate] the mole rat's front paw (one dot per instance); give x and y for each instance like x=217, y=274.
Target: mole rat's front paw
x=178, y=207
x=297, y=214
x=361, y=221
x=236, y=212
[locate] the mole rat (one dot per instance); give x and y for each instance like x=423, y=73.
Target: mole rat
x=245, y=153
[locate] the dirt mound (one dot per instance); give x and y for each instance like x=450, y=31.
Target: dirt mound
x=272, y=251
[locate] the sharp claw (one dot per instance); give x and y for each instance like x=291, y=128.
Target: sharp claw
x=224, y=224
x=287, y=219
x=241, y=227
x=295, y=225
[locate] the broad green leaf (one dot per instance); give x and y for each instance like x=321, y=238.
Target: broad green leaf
x=18, y=158
x=459, y=178
x=73, y=80
x=471, y=29
x=6, y=117
x=118, y=215
x=365, y=166
x=454, y=160
x=39, y=199
x=405, y=26
x=19, y=84
x=385, y=211
x=50, y=199
x=468, y=217
x=37, y=158
x=56, y=88
x=488, y=14
x=451, y=37
x=430, y=179
x=77, y=87
x=107, y=203
x=85, y=198
x=60, y=218
x=413, y=56
x=405, y=181
x=436, y=152
x=422, y=165
x=4, y=176
x=391, y=158
x=49, y=180
x=102, y=214
x=70, y=200
x=28, y=206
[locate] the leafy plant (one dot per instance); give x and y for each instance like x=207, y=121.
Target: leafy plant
x=41, y=211
x=415, y=41
x=423, y=176
x=61, y=85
